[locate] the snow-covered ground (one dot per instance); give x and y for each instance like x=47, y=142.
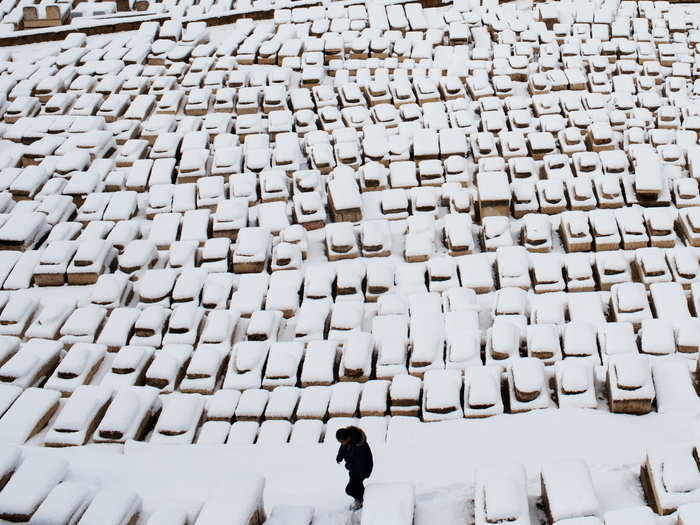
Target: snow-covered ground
x=440, y=459
x=472, y=230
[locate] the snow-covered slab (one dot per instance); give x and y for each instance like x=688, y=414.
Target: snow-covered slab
x=251, y=405
x=500, y=495
x=28, y=415
x=128, y=367
x=8, y=395
x=79, y=416
x=669, y=301
x=178, y=419
x=243, y=433
x=78, y=367
x=575, y=385
x=245, y=366
x=283, y=362
x=674, y=387
x=482, y=391
x=112, y=506
x=128, y=415
x=388, y=503
x=320, y=361
x=65, y=502
x=30, y=485
x=282, y=403
x=291, y=515
x=527, y=385
x=441, y=397
x=244, y=508
x=671, y=477
x=167, y=366
x=568, y=490
x=642, y=515
x=34, y=360
x=313, y=402
x=222, y=405
x=629, y=383
x=274, y=432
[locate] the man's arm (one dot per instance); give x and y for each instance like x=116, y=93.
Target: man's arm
x=366, y=461
x=341, y=454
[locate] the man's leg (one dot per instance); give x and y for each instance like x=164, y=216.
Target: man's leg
x=361, y=489
x=355, y=488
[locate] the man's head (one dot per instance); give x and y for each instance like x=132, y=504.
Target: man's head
x=343, y=436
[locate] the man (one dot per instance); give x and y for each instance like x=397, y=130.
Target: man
x=357, y=455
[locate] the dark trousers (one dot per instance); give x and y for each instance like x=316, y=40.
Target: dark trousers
x=356, y=487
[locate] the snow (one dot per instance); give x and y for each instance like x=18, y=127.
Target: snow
x=345, y=194
x=374, y=397
x=657, y=337
x=166, y=516
x=217, y=290
x=252, y=404
x=344, y=399
x=482, y=391
x=313, y=402
x=74, y=362
x=617, y=338
x=246, y=364
x=311, y=319
x=405, y=389
x=81, y=408
x=575, y=384
x=30, y=485
x=83, y=324
x=252, y=242
x=130, y=359
x=156, y=284
x=291, y=515
x=76, y=366
x=222, y=405
x=264, y=325
x=687, y=335
x=680, y=473
x=28, y=364
x=687, y=513
x=8, y=395
x=130, y=406
x=674, y=389
x=319, y=360
x=282, y=403
x=117, y=328
x=388, y=503
x=500, y=494
x=66, y=500
x=243, y=433
x=111, y=506
x=667, y=301
x=17, y=310
x=184, y=323
x=570, y=490
x=204, y=364
x=578, y=321
x=306, y=431
x=441, y=395
x=632, y=372
x=629, y=515
x=238, y=511
x=274, y=432
x=357, y=355
x=179, y=418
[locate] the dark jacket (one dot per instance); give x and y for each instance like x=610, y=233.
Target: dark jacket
x=357, y=455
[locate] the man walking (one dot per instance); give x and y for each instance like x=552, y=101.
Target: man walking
x=357, y=455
